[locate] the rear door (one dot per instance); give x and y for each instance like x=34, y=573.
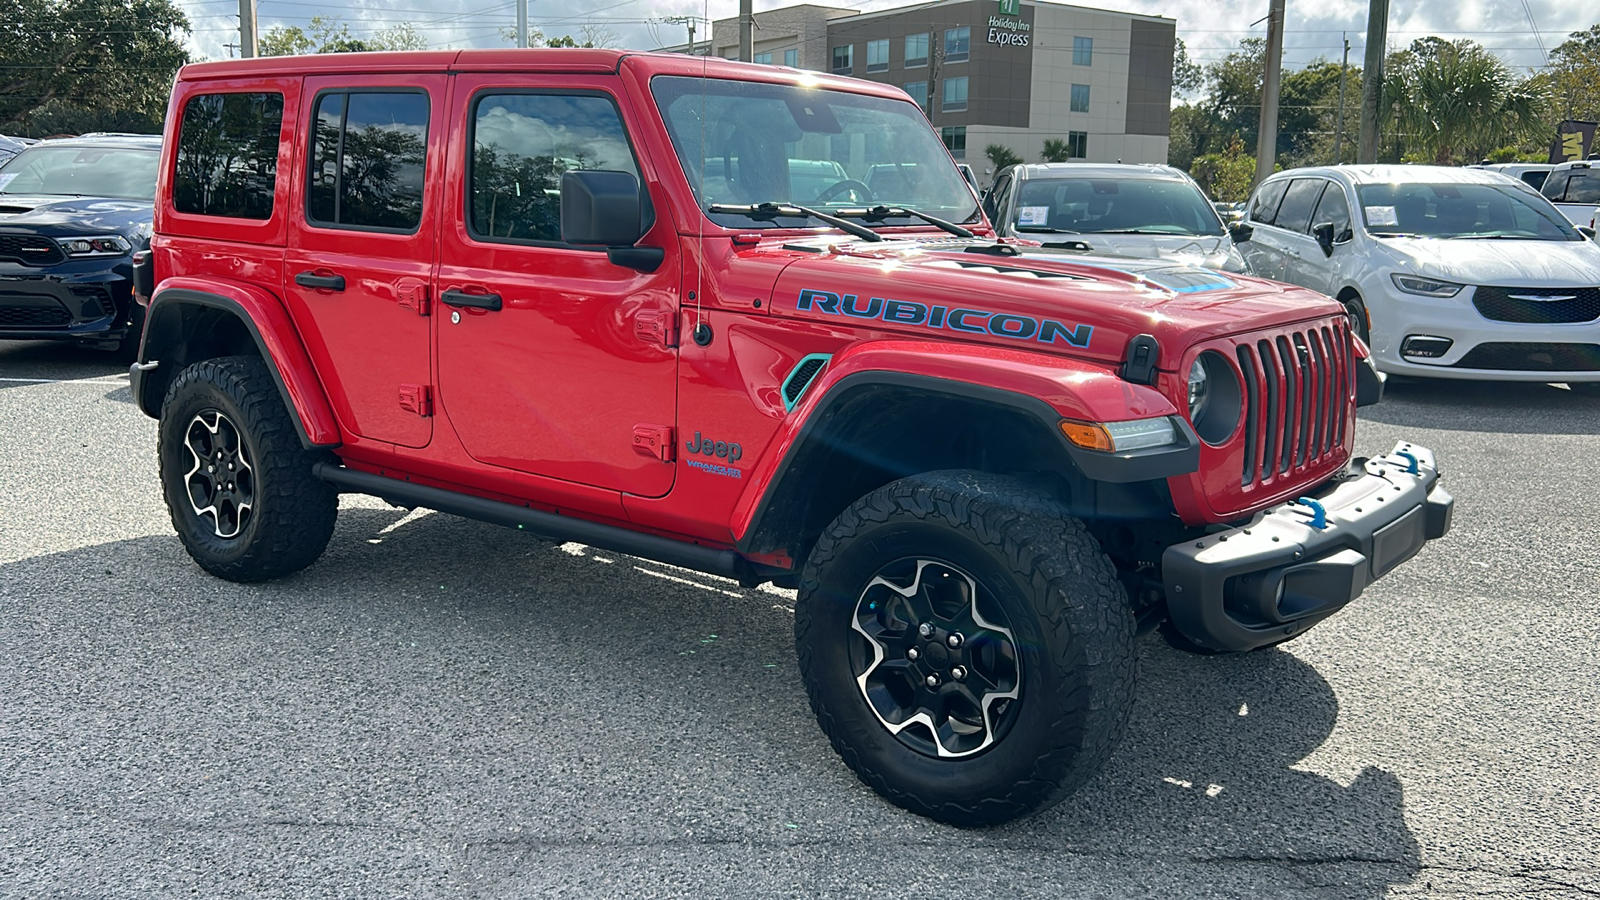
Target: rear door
x=1288, y=235
x=1263, y=251
x=361, y=250
x=553, y=360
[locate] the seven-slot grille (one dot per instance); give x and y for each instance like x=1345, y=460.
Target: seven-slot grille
x=1297, y=397
x=1538, y=305
x=30, y=249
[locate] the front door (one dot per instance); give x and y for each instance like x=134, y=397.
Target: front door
x=361, y=249
x=552, y=359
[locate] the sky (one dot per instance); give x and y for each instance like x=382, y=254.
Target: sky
x=1312, y=29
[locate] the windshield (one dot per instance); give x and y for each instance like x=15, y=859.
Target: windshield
x=121, y=173
x=1462, y=211
x=1101, y=206
x=746, y=143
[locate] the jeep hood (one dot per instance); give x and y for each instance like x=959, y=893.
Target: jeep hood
x=1502, y=263
x=1028, y=299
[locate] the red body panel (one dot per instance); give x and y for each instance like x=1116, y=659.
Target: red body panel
x=538, y=403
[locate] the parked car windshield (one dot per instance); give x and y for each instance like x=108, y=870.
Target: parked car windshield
x=1468, y=210
x=744, y=143
x=1113, y=206
x=122, y=173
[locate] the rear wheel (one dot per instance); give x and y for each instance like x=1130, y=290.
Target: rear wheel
x=966, y=646
x=237, y=480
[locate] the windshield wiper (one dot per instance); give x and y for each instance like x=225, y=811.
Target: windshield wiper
x=1152, y=231
x=879, y=213
x=1046, y=229
x=777, y=210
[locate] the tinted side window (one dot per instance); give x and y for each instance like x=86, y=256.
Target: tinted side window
x=1555, y=185
x=521, y=145
x=996, y=199
x=367, y=155
x=228, y=155
x=1333, y=208
x=1264, y=207
x=1294, y=214
x=1584, y=187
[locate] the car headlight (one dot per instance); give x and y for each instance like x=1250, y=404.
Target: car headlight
x=103, y=245
x=1215, y=397
x=1426, y=287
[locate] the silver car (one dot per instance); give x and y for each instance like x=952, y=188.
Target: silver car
x=1147, y=211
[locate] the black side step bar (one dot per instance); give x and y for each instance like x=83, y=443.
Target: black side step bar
x=726, y=563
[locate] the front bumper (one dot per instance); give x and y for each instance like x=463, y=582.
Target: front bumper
x=1511, y=351
x=1267, y=581
x=84, y=301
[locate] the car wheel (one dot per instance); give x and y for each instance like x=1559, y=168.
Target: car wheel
x=966, y=646
x=1360, y=320
x=238, y=483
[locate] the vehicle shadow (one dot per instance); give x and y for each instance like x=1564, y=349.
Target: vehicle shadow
x=1503, y=406
x=54, y=360
x=445, y=683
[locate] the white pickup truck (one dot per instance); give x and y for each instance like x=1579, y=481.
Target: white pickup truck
x=1574, y=188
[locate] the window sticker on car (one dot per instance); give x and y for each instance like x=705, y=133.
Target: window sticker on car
x=1379, y=216
x=6, y=179
x=1034, y=215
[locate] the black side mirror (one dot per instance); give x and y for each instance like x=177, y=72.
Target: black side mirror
x=1241, y=232
x=1587, y=232
x=605, y=209
x=1323, y=232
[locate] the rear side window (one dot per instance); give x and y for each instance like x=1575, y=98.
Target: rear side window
x=1295, y=212
x=521, y=145
x=1555, y=186
x=1265, y=205
x=228, y=155
x=367, y=156
x=1583, y=187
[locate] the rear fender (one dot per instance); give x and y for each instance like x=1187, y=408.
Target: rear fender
x=192, y=319
x=1033, y=389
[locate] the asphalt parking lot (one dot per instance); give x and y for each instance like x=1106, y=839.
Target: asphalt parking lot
x=440, y=708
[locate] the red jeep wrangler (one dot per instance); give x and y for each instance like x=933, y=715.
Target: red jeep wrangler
x=751, y=321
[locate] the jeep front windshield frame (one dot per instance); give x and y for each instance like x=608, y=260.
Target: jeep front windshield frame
x=744, y=142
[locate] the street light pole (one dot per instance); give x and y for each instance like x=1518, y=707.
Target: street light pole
x=522, y=24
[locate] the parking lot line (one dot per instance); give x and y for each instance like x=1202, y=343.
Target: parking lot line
x=121, y=383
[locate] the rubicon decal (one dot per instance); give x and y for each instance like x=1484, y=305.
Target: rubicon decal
x=952, y=318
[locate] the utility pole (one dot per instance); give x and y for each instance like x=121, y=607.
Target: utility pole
x=935, y=62
x=231, y=48
x=247, y=29
x=522, y=24
x=1338, y=128
x=684, y=20
x=1272, y=80
x=1372, y=81
x=747, y=18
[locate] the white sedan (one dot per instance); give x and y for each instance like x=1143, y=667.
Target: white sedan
x=1448, y=273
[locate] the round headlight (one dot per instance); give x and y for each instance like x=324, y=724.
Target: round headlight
x=1215, y=398
x=1197, y=389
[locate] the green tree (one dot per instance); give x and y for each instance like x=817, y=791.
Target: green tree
x=1001, y=156
x=93, y=56
x=1055, y=150
x=1227, y=176
x=1187, y=76
x=1574, y=76
x=329, y=34
x=1456, y=101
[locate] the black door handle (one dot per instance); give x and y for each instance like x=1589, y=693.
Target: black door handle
x=320, y=282
x=476, y=301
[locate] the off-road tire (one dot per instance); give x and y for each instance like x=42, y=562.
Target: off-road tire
x=1073, y=626
x=293, y=511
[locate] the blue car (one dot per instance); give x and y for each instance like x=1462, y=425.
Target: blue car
x=73, y=212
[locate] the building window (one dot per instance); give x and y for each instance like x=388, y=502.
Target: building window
x=955, y=139
x=1077, y=145
x=791, y=58
x=1083, y=51
x=764, y=58
x=878, y=56
x=844, y=59
x=916, y=50
x=919, y=92
x=1080, y=98
x=955, y=94
x=956, y=44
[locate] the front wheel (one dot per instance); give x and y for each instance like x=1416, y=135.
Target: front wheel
x=1360, y=320
x=238, y=483
x=966, y=646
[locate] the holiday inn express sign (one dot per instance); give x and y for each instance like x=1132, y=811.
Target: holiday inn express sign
x=1009, y=32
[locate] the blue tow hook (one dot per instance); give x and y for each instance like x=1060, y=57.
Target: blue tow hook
x=1412, y=460
x=1319, y=514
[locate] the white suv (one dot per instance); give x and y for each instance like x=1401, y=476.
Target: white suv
x=1449, y=273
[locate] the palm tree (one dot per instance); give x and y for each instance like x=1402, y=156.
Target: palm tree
x=1457, y=101
x=1055, y=150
